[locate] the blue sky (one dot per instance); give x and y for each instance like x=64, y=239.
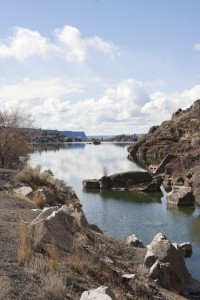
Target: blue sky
x=102, y=66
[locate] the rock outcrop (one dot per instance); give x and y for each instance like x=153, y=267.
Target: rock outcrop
x=178, y=136
x=195, y=182
x=133, y=180
x=180, y=196
x=166, y=264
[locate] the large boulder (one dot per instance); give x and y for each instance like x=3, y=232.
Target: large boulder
x=23, y=191
x=180, y=195
x=56, y=225
x=169, y=269
x=101, y=293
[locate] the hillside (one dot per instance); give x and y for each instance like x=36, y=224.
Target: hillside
x=179, y=136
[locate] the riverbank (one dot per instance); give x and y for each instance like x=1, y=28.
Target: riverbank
x=91, y=260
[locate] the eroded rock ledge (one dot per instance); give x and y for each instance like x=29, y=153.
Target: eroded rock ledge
x=131, y=181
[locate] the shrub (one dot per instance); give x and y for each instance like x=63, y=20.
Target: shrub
x=35, y=178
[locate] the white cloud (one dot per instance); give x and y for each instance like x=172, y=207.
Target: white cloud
x=125, y=107
x=103, y=46
x=71, y=37
x=25, y=43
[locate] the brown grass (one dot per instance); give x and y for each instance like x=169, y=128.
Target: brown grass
x=39, y=200
x=52, y=284
x=53, y=256
x=25, y=247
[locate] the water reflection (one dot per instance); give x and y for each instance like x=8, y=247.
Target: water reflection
x=177, y=210
x=122, y=213
x=195, y=229
x=136, y=197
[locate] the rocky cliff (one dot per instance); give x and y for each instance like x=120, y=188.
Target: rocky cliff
x=179, y=136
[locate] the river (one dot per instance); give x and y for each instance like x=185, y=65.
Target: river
x=121, y=214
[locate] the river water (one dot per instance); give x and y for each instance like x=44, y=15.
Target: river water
x=121, y=214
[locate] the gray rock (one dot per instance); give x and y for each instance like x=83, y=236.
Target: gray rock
x=91, y=183
x=186, y=248
x=134, y=241
x=180, y=195
x=46, y=212
x=161, y=168
x=56, y=228
x=55, y=225
x=125, y=179
x=169, y=269
x=195, y=182
x=101, y=293
x=23, y=191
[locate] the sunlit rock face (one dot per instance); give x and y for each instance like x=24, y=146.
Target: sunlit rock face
x=179, y=135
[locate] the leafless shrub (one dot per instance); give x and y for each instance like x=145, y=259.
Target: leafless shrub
x=14, y=134
x=105, y=171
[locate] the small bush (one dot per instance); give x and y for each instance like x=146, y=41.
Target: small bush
x=35, y=178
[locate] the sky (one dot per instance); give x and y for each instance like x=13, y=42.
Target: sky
x=105, y=67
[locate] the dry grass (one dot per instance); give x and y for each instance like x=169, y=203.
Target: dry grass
x=25, y=247
x=35, y=178
x=5, y=288
x=53, y=256
x=39, y=200
x=52, y=284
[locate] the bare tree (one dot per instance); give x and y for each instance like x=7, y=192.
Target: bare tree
x=15, y=129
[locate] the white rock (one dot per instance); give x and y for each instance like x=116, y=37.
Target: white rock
x=23, y=191
x=101, y=293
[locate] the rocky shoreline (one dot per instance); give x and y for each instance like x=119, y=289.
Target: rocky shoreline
x=58, y=242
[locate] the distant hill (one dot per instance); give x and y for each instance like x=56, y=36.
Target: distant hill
x=70, y=134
